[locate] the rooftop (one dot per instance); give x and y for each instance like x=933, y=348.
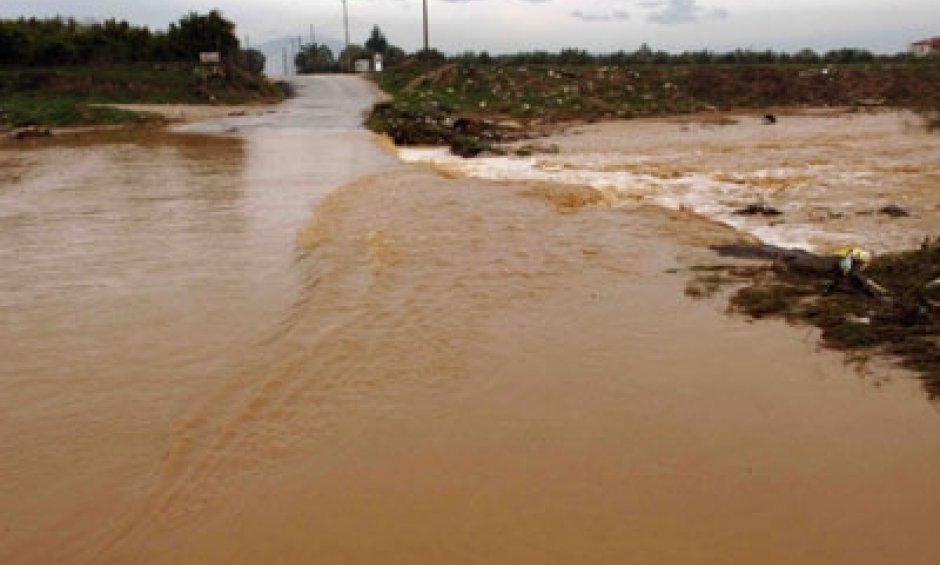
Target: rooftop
x=933, y=42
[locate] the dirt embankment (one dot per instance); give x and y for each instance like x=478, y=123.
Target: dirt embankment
x=507, y=102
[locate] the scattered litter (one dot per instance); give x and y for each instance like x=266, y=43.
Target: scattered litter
x=529, y=149
x=31, y=131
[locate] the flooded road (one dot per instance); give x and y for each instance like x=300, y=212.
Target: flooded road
x=198, y=367
x=139, y=266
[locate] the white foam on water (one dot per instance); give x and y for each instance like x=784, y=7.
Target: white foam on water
x=699, y=193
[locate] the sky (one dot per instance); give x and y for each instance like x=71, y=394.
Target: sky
x=506, y=26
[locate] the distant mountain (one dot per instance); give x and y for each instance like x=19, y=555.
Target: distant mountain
x=274, y=52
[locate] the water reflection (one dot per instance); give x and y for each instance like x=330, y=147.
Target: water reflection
x=104, y=249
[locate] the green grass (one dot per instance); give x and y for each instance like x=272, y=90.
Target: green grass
x=62, y=96
x=62, y=110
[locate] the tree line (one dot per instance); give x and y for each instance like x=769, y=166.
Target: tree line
x=319, y=58
x=645, y=55
x=66, y=41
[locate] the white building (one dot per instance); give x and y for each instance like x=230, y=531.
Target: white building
x=926, y=47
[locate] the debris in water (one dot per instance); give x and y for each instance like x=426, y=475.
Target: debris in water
x=894, y=211
x=758, y=209
x=31, y=131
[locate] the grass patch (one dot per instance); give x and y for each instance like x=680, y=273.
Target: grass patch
x=62, y=96
x=63, y=110
x=708, y=280
x=772, y=299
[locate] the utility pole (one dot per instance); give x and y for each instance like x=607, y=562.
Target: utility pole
x=313, y=38
x=346, y=27
x=346, y=22
x=426, y=45
x=284, y=51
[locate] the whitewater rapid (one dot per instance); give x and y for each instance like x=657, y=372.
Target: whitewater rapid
x=828, y=189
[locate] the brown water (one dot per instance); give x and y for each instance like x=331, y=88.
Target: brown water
x=830, y=173
x=428, y=370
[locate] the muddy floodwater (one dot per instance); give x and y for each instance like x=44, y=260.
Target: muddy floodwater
x=268, y=338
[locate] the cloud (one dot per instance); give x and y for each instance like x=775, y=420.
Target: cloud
x=669, y=12
x=616, y=15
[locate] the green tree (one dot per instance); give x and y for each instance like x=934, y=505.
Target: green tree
x=377, y=43
x=806, y=56
x=255, y=59
x=13, y=43
x=574, y=57
x=644, y=54
x=314, y=58
x=848, y=55
x=394, y=55
x=195, y=33
x=350, y=54
x=60, y=41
